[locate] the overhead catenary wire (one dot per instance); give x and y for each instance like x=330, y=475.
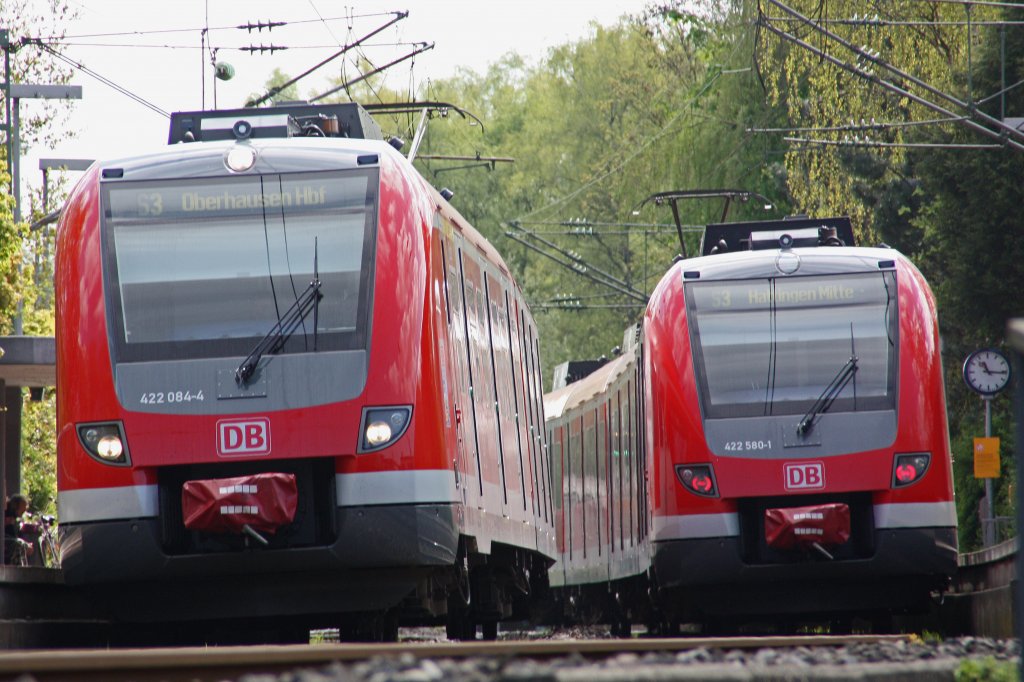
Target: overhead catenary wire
x=978, y=3
x=324, y=22
x=876, y=60
x=1003, y=133
x=576, y=264
x=237, y=48
x=876, y=22
x=103, y=79
x=859, y=127
x=362, y=77
x=60, y=39
x=896, y=145
x=398, y=16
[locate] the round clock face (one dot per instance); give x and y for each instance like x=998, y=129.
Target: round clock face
x=987, y=371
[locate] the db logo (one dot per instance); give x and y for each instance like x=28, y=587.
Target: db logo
x=804, y=476
x=237, y=437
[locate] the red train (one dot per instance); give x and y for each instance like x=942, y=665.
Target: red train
x=295, y=387
x=794, y=437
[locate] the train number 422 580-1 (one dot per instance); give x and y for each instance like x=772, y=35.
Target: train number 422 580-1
x=745, y=445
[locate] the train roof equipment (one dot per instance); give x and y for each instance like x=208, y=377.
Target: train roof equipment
x=673, y=197
x=774, y=234
x=294, y=119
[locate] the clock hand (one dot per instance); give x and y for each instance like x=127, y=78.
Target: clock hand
x=985, y=367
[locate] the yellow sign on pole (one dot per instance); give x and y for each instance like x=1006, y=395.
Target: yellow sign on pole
x=986, y=458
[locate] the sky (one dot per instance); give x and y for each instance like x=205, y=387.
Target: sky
x=154, y=48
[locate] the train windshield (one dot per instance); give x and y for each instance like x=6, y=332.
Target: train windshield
x=205, y=268
x=772, y=346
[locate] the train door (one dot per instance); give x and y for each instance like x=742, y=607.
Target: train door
x=621, y=490
x=538, y=402
x=591, y=531
x=601, y=464
x=573, y=496
x=528, y=424
x=557, y=440
x=468, y=291
x=529, y=484
x=465, y=467
x=499, y=406
x=482, y=387
x=629, y=457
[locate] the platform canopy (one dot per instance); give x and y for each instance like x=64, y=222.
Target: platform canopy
x=28, y=361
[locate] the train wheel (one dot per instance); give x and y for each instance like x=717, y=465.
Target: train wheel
x=489, y=630
x=841, y=626
x=370, y=627
x=621, y=628
x=460, y=627
x=883, y=624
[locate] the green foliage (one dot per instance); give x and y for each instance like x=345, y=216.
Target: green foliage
x=987, y=670
x=26, y=258
x=277, y=79
x=38, y=456
x=657, y=103
x=953, y=210
x=27, y=21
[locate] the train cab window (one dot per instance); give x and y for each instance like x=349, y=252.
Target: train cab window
x=205, y=268
x=771, y=346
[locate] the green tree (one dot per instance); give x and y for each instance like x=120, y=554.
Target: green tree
x=26, y=257
x=971, y=250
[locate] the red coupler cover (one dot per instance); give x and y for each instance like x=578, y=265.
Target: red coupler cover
x=825, y=524
x=264, y=502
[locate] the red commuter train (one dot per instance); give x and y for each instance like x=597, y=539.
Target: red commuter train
x=797, y=461
x=295, y=388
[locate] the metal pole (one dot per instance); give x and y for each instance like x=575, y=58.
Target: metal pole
x=988, y=523
x=1018, y=411
x=15, y=135
x=6, y=45
x=1002, y=72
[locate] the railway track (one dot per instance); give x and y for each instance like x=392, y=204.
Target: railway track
x=837, y=657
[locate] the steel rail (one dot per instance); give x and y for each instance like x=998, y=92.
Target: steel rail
x=214, y=663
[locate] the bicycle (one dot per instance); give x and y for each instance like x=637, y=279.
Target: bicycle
x=48, y=542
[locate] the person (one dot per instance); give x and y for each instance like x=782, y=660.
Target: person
x=17, y=550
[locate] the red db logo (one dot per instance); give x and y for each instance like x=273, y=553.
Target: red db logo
x=238, y=437
x=804, y=476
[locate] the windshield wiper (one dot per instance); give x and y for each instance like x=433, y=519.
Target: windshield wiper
x=278, y=335
x=828, y=396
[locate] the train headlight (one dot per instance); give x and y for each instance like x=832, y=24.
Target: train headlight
x=908, y=469
x=382, y=426
x=377, y=433
x=110, y=448
x=699, y=479
x=105, y=442
x=240, y=158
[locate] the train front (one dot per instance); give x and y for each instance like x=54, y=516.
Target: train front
x=797, y=418
x=242, y=367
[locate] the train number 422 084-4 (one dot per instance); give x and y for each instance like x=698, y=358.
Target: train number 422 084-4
x=161, y=397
